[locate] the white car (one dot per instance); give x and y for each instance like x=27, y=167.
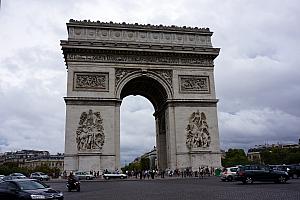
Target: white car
x=229, y=174
x=109, y=175
x=17, y=176
x=39, y=176
x=84, y=175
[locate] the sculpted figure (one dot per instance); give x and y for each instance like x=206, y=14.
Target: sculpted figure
x=89, y=134
x=197, y=131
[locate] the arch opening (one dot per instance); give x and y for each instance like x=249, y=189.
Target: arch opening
x=137, y=126
x=155, y=92
x=148, y=88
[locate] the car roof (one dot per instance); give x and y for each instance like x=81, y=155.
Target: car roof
x=20, y=180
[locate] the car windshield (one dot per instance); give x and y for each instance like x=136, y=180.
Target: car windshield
x=30, y=185
x=17, y=174
x=233, y=169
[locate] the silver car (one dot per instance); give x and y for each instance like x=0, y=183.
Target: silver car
x=229, y=174
x=84, y=175
x=108, y=175
x=39, y=176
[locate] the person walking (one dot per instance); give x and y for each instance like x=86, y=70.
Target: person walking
x=201, y=172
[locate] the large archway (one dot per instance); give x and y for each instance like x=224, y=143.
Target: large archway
x=152, y=90
x=171, y=66
x=137, y=130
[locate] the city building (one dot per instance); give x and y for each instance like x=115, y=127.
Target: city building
x=254, y=153
x=151, y=155
x=33, y=158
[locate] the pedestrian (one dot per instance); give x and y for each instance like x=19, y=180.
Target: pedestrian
x=201, y=171
x=141, y=174
x=163, y=173
x=207, y=171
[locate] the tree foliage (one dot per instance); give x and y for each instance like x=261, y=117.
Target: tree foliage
x=143, y=164
x=235, y=157
x=12, y=167
x=277, y=155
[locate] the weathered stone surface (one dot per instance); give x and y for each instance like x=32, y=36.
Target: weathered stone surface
x=171, y=66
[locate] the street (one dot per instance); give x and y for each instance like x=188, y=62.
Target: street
x=180, y=188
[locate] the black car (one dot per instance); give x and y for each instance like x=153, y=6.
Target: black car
x=251, y=173
x=27, y=189
x=294, y=171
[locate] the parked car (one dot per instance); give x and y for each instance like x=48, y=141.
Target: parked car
x=229, y=174
x=27, y=189
x=84, y=175
x=294, y=171
x=1, y=177
x=285, y=168
x=108, y=175
x=251, y=173
x=39, y=176
x=14, y=176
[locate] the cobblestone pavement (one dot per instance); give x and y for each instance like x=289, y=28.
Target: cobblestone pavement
x=180, y=188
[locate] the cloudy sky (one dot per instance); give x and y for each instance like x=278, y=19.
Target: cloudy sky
x=257, y=72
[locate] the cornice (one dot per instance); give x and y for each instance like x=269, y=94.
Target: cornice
x=125, y=25
x=92, y=101
x=90, y=44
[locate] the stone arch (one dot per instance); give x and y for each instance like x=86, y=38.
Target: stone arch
x=144, y=83
x=156, y=90
x=169, y=65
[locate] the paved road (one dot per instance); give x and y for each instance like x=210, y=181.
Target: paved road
x=182, y=189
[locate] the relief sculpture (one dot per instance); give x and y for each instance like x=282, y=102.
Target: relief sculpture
x=197, y=131
x=90, y=132
x=141, y=59
x=121, y=73
x=199, y=84
x=166, y=75
x=91, y=81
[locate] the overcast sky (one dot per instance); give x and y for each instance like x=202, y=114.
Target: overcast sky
x=257, y=73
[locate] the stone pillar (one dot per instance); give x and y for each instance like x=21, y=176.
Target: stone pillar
x=91, y=153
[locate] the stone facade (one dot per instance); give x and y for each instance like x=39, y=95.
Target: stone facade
x=171, y=66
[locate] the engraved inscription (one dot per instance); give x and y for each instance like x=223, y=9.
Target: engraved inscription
x=197, y=131
x=90, y=131
x=196, y=84
x=91, y=81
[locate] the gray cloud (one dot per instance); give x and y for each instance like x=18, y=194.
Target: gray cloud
x=257, y=72
x=137, y=127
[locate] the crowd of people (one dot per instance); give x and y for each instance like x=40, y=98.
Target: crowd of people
x=203, y=171
x=147, y=174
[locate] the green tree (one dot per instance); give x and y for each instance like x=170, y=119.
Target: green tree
x=235, y=157
x=145, y=163
x=276, y=155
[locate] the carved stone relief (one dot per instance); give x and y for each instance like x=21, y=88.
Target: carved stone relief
x=141, y=59
x=90, y=131
x=197, y=131
x=194, y=84
x=166, y=75
x=122, y=73
x=91, y=81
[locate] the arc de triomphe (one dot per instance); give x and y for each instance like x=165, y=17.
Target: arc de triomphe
x=173, y=67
